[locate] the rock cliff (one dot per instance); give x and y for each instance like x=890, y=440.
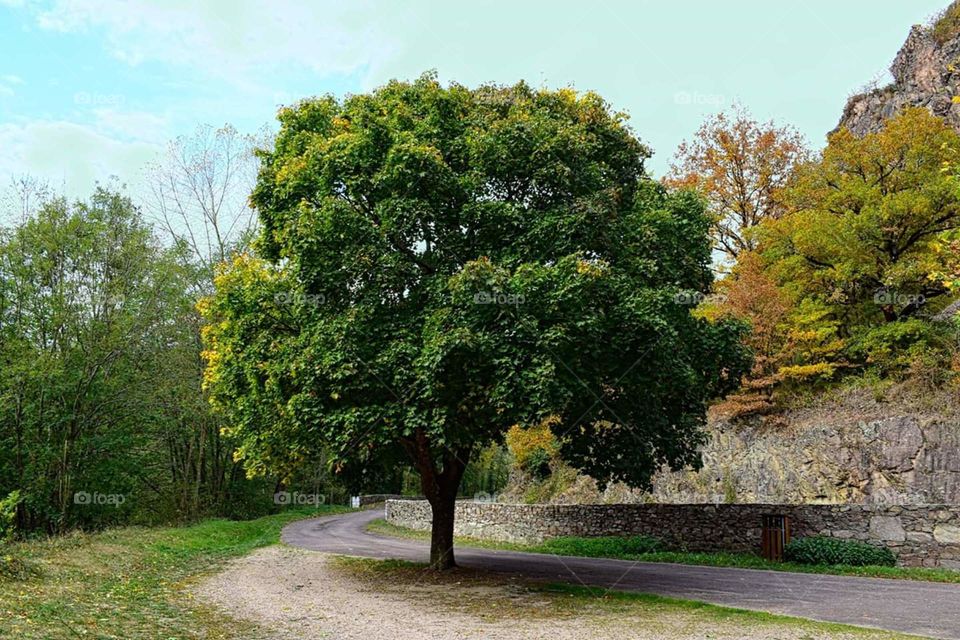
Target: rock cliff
x=902, y=448
x=926, y=73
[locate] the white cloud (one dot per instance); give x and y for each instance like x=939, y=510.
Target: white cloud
x=6, y=84
x=132, y=125
x=234, y=38
x=70, y=155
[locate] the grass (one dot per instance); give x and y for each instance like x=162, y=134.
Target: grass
x=620, y=548
x=129, y=582
x=133, y=583
x=469, y=591
x=947, y=23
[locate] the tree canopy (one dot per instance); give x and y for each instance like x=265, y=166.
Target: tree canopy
x=442, y=263
x=743, y=168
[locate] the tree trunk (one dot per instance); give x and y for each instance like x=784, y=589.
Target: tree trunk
x=440, y=486
x=441, y=532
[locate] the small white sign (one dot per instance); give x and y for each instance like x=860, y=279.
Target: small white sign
x=355, y=502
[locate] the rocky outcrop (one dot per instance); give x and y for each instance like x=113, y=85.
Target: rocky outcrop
x=855, y=448
x=926, y=73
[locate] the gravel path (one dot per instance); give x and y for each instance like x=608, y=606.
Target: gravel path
x=294, y=594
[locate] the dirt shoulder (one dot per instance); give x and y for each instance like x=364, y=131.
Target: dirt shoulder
x=294, y=594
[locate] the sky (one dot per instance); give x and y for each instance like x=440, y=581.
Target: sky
x=92, y=88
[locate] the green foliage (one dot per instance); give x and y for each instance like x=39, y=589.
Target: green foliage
x=833, y=551
x=893, y=346
x=487, y=473
x=102, y=419
x=538, y=463
x=8, y=513
x=92, y=312
x=444, y=263
x=603, y=547
x=946, y=26
x=861, y=237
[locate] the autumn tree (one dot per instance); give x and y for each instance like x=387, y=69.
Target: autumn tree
x=742, y=167
x=865, y=249
x=440, y=264
x=868, y=219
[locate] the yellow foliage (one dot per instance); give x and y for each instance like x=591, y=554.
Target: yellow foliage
x=592, y=269
x=523, y=442
x=823, y=370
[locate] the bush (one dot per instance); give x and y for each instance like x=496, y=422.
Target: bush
x=8, y=514
x=946, y=25
x=895, y=345
x=832, y=551
x=534, y=447
x=604, y=547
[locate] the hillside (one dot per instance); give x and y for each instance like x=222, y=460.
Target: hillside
x=895, y=443
x=898, y=446
x=926, y=73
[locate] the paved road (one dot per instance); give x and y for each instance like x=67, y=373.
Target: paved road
x=922, y=608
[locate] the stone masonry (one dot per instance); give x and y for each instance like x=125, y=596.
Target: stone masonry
x=920, y=535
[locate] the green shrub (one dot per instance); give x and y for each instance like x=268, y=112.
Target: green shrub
x=832, y=551
x=8, y=513
x=894, y=345
x=604, y=547
x=947, y=24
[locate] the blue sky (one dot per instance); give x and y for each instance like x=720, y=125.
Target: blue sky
x=91, y=88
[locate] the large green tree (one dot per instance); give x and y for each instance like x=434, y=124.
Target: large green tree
x=439, y=264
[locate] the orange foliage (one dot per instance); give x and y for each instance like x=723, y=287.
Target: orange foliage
x=741, y=166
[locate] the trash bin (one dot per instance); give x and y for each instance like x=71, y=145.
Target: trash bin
x=776, y=535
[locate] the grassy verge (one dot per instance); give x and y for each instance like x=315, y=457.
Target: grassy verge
x=128, y=583
x=508, y=600
x=613, y=548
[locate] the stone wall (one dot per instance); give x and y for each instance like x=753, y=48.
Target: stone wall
x=377, y=498
x=920, y=535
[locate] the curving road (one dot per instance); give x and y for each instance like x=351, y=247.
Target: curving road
x=922, y=608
